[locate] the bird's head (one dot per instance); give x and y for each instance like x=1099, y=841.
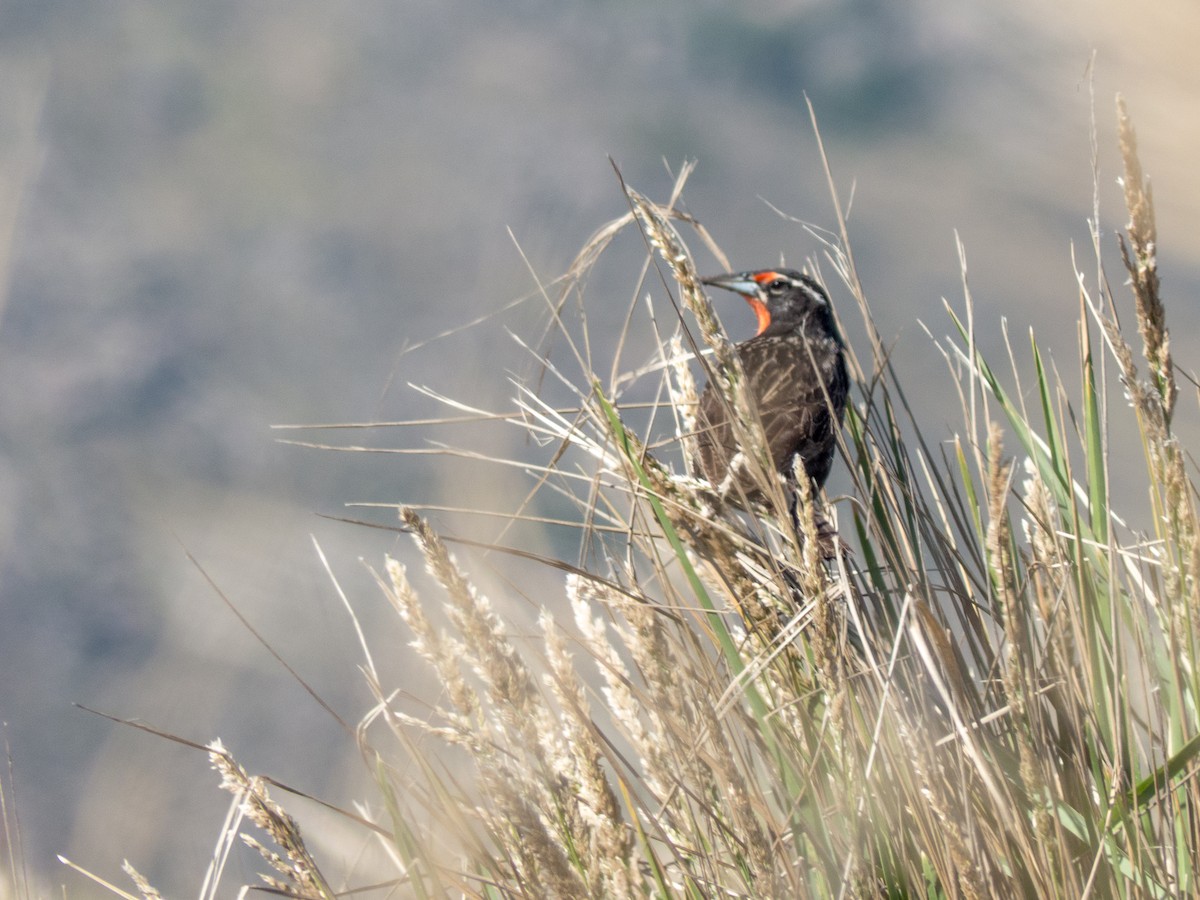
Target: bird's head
x=781, y=298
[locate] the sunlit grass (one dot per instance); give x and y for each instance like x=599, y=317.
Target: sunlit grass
x=992, y=692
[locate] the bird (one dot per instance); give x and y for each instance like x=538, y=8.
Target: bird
x=796, y=377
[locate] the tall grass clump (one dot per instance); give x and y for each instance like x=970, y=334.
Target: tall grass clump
x=990, y=690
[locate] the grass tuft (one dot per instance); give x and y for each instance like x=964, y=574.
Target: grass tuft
x=993, y=693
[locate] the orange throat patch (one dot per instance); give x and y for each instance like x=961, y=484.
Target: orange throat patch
x=760, y=311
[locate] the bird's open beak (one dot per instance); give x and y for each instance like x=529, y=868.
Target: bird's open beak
x=746, y=285
x=741, y=282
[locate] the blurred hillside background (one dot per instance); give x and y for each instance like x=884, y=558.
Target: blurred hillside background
x=221, y=216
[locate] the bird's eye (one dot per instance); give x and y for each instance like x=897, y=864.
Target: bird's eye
x=778, y=286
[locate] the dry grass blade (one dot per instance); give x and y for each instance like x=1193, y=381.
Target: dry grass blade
x=301, y=876
x=706, y=775
x=1141, y=260
x=994, y=694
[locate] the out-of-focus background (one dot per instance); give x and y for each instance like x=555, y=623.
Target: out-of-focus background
x=219, y=216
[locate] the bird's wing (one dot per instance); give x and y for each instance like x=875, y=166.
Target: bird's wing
x=799, y=413
x=799, y=410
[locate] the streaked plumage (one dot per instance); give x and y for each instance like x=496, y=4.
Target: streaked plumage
x=795, y=371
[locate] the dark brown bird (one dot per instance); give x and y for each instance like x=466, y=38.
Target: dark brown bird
x=795, y=370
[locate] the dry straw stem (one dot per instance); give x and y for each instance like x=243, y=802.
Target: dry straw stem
x=1015, y=717
x=541, y=767
x=1172, y=493
x=149, y=892
x=496, y=660
x=609, y=840
x=701, y=778
x=684, y=749
x=1141, y=260
x=443, y=653
x=301, y=876
x=515, y=717
x=661, y=234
